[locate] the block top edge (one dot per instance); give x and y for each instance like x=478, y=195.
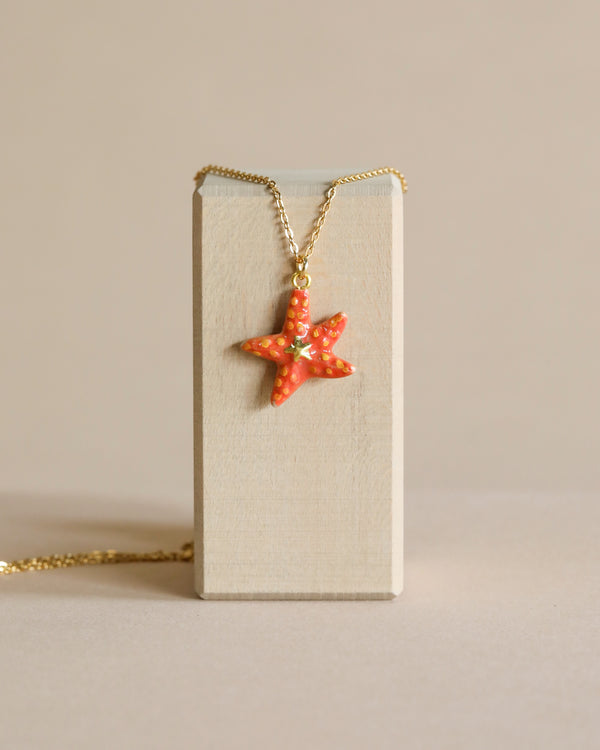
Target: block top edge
x=299, y=183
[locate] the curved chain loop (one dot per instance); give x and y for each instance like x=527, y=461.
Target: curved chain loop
x=301, y=257
x=300, y=279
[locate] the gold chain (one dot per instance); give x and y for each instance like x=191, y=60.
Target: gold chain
x=186, y=553
x=301, y=257
x=107, y=557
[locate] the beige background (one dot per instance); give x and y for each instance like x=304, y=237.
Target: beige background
x=491, y=110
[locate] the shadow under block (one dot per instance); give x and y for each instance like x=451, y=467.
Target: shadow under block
x=302, y=501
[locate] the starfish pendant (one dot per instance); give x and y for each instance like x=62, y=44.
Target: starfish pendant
x=302, y=350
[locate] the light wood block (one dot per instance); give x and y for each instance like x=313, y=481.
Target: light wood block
x=303, y=501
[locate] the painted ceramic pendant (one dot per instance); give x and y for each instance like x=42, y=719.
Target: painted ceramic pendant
x=302, y=350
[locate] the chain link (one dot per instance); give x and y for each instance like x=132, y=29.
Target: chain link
x=301, y=257
x=106, y=557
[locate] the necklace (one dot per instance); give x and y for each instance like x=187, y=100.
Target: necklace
x=301, y=350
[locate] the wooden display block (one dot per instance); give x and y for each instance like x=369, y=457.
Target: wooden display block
x=302, y=501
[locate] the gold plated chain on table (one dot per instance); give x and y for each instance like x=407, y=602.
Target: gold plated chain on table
x=106, y=557
x=300, y=279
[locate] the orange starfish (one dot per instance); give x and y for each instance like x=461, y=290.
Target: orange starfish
x=302, y=350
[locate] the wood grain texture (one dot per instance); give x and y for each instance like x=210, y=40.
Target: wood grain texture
x=305, y=500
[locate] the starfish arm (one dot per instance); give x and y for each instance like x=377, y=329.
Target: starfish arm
x=267, y=347
x=330, y=329
x=297, y=318
x=327, y=365
x=288, y=379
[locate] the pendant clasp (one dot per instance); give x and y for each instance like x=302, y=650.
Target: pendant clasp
x=301, y=279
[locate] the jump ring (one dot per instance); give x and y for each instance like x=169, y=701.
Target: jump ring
x=301, y=276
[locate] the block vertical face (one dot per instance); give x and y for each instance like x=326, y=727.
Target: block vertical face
x=303, y=500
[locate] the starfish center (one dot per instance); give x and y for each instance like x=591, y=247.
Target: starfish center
x=298, y=348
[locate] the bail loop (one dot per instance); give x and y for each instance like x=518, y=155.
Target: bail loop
x=301, y=279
